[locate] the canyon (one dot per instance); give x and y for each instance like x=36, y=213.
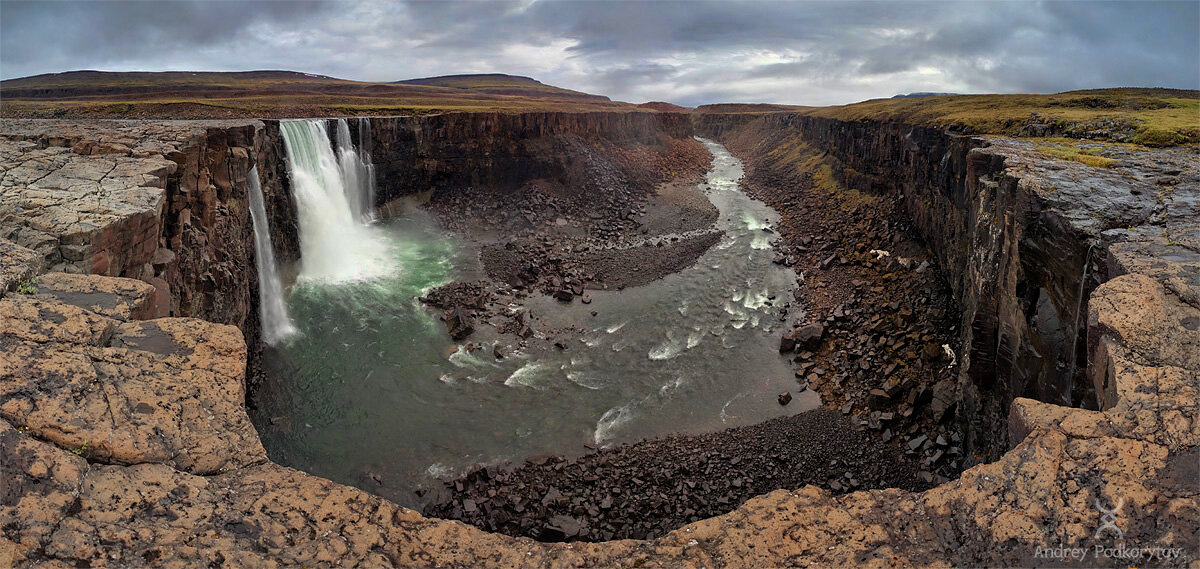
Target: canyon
x=1018, y=333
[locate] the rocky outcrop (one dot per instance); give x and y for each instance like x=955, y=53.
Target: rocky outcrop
x=17, y=265
x=81, y=372
x=86, y=206
x=1023, y=237
x=60, y=507
x=164, y=202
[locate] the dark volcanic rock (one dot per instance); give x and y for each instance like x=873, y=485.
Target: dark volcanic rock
x=650, y=488
x=459, y=323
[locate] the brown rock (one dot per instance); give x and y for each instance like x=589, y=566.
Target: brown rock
x=121, y=299
x=168, y=390
x=459, y=323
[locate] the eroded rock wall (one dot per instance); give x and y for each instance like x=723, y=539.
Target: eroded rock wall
x=1021, y=239
x=502, y=151
x=163, y=202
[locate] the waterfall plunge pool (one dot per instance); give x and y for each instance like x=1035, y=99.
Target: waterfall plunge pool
x=372, y=392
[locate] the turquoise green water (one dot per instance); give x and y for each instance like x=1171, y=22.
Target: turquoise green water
x=372, y=392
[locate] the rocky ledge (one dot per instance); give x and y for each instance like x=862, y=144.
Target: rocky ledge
x=126, y=443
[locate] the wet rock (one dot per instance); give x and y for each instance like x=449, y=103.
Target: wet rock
x=459, y=323
x=787, y=342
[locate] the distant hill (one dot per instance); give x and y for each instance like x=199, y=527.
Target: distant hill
x=920, y=94
x=499, y=84
x=747, y=108
x=663, y=107
x=108, y=83
x=273, y=93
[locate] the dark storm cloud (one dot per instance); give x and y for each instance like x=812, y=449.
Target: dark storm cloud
x=684, y=52
x=60, y=36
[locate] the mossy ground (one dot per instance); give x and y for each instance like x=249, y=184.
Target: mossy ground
x=1156, y=117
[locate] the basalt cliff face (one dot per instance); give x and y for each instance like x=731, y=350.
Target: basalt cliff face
x=161, y=202
x=1022, y=239
x=125, y=439
x=166, y=201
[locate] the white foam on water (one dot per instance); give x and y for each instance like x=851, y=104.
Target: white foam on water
x=463, y=358
x=526, y=376
x=584, y=379
x=609, y=422
x=670, y=348
x=439, y=470
x=671, y=386
x=725, y=417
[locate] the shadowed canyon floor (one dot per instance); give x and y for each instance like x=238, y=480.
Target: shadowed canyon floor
x=126, y=439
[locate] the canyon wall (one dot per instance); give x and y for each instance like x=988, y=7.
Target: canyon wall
x=126, y=440
x=164, y=202
x=503, y=151
x=482, y=156
x=1021, y=239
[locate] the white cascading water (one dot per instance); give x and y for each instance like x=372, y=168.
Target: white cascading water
x=357, y=169
x=333, y=201
x=276, y=325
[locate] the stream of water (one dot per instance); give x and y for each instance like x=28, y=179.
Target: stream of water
x=372, y=392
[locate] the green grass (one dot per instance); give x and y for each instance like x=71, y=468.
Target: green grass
x=1074, y=153
x=1156, y=117
x=27, y=287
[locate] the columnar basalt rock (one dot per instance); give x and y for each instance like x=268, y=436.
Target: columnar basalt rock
x=1024, y=237
x=163, y=202
x=503, y=151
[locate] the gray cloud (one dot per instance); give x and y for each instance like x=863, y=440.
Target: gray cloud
x=685, y=52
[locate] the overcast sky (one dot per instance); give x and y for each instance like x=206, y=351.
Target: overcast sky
x=688, y=53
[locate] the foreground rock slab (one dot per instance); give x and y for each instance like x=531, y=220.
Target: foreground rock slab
x=166, y=391
x=173, y=475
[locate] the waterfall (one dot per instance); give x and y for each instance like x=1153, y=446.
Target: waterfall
x=276, y=325
x=357, y=170
x=333, y=200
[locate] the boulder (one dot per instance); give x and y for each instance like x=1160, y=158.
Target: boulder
x=459, y=323
x=809, y=336
x=944, y=400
